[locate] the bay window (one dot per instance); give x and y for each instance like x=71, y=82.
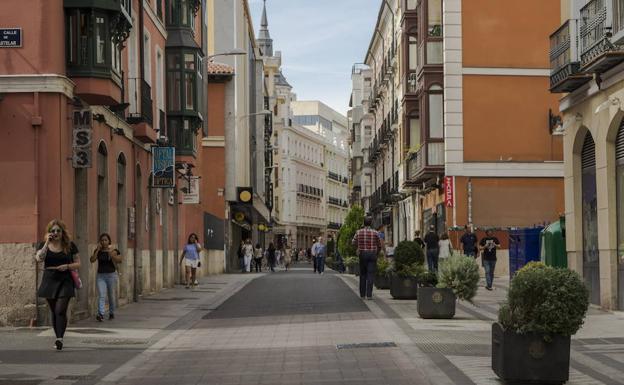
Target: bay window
x=182, y=80
x=181, y=13
x=435, y=99
x=434, y=17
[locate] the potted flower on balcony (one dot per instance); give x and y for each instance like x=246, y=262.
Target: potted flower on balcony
x=545, y=306
x=382, y=276
x=458, y=278
x=408, y=265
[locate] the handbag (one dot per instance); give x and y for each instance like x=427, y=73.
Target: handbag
x=199, y=264
x=76, y=279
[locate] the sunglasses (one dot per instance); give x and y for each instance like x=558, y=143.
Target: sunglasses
x=55, y=231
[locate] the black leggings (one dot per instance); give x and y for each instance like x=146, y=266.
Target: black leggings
x=58, y=307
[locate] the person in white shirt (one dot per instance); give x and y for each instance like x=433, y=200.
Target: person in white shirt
x=445, y=246
x=248, y=252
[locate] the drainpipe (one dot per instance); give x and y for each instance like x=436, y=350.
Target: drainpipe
x=36, y=124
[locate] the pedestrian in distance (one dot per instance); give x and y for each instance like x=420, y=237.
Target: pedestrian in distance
x=191, y=255
x=433, y=249
x=248, y=253
x=319, y=250
x=106, y=278
x=258, y=252
x=241, y=256
x=488, y=246
x=278, y=257
x=445, y=246
x=313, y=255
x=368, y=245
x=59, y=255
x=288, y=256
x=271, y=256
x=418, y=239
x=469, y=242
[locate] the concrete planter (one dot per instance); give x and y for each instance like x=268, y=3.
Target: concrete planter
x=382, y=282
x=528, y=359
x=403, y=287
x=436, y=303
x=352, y=269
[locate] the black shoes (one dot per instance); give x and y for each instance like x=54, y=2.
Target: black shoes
x=111, y=316
x=99, y=317
x=58, y=344
x=488, y=288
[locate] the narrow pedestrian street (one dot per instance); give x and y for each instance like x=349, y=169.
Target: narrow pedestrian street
x=291, y=327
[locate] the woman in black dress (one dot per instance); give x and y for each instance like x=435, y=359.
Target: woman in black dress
x=60, y=255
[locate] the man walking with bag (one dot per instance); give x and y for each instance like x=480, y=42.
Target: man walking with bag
x=368, y=245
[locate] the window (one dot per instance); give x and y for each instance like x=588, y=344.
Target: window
x=413, y=53
x=147, y=52
x=434, y=52
x=436, y=128
x=182, y=80
x=100, y=40
x=414, y=143
x=179, y=12
x=434, y=17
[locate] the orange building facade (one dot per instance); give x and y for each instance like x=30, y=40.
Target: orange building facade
x=109, y=72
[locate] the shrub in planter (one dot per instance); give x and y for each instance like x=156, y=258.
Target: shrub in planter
x=458, y=279
x=531, y=341
x=351, y=263
x=382, y=277
x=329, y=262
x=408, y=265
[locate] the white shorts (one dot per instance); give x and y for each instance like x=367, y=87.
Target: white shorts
x=192, y=263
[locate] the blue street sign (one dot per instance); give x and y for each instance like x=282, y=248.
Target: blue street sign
x=163, y=167
x=10, y=37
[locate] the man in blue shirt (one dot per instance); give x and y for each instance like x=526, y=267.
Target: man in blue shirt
x=319, y=251
x=469, y=243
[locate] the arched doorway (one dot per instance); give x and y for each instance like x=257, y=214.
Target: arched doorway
x=591, y=270
x=102, y=188
x=619, y=180
x=122, y=223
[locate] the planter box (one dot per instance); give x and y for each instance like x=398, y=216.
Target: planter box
x=436, y=303
x=382, y=282
x=403, y=287
x=528, y=359
x=353, y=270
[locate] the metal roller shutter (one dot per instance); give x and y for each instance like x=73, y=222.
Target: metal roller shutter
x=619, y=143
x=588, y=156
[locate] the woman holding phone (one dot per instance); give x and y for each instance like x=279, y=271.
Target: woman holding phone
x=106, y=275
x=191, y=254
x=59, y=255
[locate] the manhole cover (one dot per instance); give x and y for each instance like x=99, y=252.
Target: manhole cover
x=113, y=341
x=169, y=299
x=366, y=345
x=75, y=377
x=91, y=331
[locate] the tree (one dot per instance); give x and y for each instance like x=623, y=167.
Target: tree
x=353, y=222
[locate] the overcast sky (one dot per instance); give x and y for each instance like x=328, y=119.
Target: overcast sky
x=320, y=41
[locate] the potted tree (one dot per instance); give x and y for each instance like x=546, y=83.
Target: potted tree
x=458, y=278
x=408, y=265
x=353, y=221
x=382, y=276
x=531, y=340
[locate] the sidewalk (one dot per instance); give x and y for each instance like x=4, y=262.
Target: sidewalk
x=460, y=348
x=95, y=349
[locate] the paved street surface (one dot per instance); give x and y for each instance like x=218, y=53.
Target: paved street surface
x=288, y=328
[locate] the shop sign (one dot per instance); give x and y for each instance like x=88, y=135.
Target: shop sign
x=163, y=167
x=82, y=136
x=190, y=193
x=10, y=37
x=449, y=199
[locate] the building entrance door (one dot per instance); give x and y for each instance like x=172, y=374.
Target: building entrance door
x=591, y=270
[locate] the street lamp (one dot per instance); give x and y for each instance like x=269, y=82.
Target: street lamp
x=234, y=52
x=263, y=112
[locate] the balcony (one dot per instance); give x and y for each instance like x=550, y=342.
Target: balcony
x=333, y=176
x=598, y=53
x=427, y=162
x=309, y=192
x=334, y=225
x=565, y=73
x=334, y=201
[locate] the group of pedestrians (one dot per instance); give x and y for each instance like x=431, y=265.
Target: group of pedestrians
x=438, y=248
x=258, y=259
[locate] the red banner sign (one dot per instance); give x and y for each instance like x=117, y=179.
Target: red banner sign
x=449, y=199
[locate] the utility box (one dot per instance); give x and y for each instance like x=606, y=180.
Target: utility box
x=524, y=247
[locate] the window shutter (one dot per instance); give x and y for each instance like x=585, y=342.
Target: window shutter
x=619, y=143
x=588, y=155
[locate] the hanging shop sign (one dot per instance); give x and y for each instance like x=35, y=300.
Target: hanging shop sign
x=449, y=198
x=190, y=192
x=163, y=167
x=10, y=37
x=82, y=137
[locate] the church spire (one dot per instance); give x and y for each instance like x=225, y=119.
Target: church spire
x=264, y=38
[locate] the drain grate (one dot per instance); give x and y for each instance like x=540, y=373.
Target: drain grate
x=366, y=345
x=169, y=299
x=76, y=377
x=113, y=341
x=91, y=331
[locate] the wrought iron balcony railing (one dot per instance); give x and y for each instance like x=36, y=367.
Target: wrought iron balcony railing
x=565, y=73
x=598, y=52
